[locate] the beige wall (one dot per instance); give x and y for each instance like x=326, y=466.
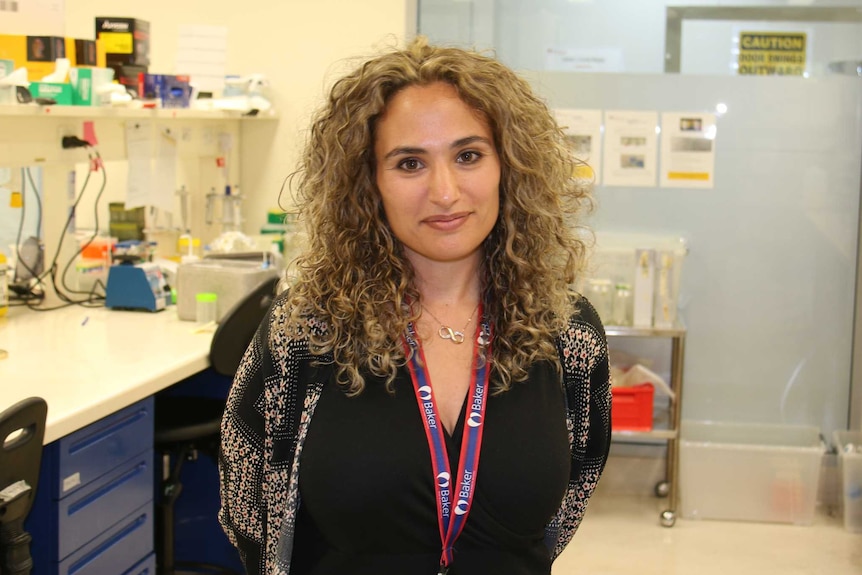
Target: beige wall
x=300, y=45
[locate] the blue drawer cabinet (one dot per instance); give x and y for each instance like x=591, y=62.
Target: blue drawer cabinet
x=93, y=513
x=145, y=567
x=91, y=452
x=116, y=550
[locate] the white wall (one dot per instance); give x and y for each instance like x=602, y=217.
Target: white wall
x=300, y=45
x=522, y=30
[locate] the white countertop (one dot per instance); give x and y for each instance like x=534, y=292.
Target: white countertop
x=90, y=362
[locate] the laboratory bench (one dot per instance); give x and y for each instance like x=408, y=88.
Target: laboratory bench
x=98, y=370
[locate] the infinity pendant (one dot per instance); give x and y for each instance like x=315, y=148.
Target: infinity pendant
x=446, y=332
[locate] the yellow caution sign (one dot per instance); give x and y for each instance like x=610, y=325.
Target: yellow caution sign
x=772, y=53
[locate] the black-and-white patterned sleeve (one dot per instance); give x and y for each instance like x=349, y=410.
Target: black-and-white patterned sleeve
x=583, y=352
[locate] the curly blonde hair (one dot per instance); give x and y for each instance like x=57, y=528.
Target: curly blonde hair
x=353, y=277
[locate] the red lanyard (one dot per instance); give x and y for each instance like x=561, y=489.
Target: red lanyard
x=451, y=517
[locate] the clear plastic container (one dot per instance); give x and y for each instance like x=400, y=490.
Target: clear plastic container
x=849, y=446
x=622, y=307
x=600, y=294
x=749, y=472
x=206, y=307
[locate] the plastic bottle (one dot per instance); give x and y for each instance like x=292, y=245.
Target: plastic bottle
x=4, y=285
x=206, y=307
x=622, y=306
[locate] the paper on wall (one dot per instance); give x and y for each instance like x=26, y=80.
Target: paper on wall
x=630, y=148
x=164, y=192
x=152, y=160
x=583, y=129
x=202, y=55
x=688, y=150
x=139, y=153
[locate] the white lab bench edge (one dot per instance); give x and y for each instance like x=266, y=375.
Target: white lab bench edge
x=88, y=363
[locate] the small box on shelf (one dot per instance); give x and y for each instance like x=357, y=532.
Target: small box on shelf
x=632, y=408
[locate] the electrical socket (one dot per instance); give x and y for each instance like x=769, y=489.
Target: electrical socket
x=66, y=130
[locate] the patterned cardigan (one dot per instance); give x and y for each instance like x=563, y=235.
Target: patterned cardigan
x=272, y=401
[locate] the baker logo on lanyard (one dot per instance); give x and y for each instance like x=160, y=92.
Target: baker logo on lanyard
x=451, y=524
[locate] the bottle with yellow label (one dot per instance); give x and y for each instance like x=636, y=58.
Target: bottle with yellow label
x=4, y=285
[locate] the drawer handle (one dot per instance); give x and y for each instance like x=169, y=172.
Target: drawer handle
x=94, y=554
x=101, y=434
x=124, y=478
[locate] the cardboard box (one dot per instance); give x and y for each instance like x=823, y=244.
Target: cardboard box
x=36, y=53
x=60, y=93
x=129, y=76
x=86, y=53
x=126, y=40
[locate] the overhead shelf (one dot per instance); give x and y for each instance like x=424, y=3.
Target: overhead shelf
x=35, y=111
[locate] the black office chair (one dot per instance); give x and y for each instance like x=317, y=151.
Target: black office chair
x=185, y=426
x=22, y=429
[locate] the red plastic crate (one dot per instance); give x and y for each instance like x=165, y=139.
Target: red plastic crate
x=632, y=407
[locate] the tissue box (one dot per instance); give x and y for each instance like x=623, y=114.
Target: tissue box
x=230, y=280
x=631, y=407
x=86, y=83
x=60, y=93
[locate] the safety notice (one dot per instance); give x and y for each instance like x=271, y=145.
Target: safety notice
x=772, y=53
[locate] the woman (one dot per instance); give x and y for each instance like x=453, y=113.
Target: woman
x=429, y=396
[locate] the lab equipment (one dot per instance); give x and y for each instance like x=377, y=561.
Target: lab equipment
x=136, y=286
x=229, y=279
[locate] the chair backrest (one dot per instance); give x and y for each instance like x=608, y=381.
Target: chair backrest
x=22, y=429
x=238, y=326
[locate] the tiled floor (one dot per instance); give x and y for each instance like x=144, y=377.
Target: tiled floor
x=621, y=535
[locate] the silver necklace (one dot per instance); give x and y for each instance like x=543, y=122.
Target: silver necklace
x=446, y=332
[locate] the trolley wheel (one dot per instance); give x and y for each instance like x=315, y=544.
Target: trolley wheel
x=668, y=518
x=662, y=489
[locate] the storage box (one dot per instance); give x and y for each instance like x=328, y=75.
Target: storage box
x=170, y=91
x=230, y=280
x=85, y=53
x=125, y=40
x=130, y=76
x=632, y=407
x=60, y=93
x=87, y=86
x=749, y=472
x=849, y=446
x=36, y=53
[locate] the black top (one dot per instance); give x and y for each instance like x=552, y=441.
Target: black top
x=368, y=502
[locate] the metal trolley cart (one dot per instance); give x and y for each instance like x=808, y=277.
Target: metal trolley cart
x=669, y=487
